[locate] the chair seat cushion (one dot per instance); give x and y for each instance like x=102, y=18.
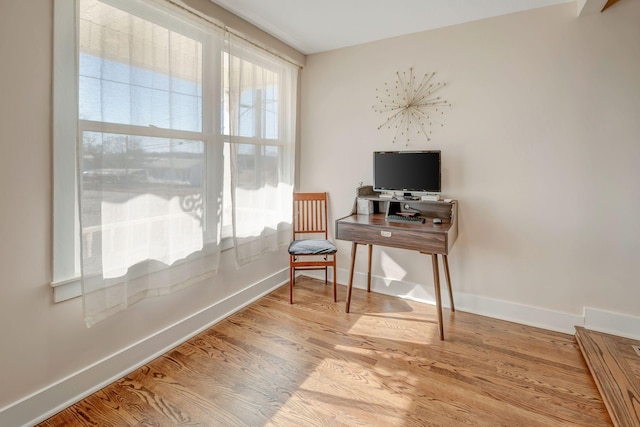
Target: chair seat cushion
x=312, y=247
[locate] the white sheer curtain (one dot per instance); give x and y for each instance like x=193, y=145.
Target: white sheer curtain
x=260, y=97
x=150, y=158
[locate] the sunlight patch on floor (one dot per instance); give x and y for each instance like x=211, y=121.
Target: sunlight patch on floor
x=399, y=326
x=326, y=395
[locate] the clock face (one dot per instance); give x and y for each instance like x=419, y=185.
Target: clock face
x=411, y=107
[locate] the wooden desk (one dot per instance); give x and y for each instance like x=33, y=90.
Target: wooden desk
x=428, y=238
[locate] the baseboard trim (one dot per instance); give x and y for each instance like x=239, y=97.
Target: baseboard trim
x=537, y=317
x=498, y=309
x=612, y=323
x=50, y=400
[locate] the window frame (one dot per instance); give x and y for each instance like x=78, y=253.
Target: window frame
x=68, y=127
x=66, y=264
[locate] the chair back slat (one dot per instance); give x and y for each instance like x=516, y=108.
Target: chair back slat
x=310, y=214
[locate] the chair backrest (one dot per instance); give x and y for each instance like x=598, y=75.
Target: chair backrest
x=309, y=214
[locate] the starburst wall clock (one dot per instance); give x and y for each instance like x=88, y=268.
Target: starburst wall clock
x=412, y=107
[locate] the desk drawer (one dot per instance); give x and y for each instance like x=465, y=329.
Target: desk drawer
x=396, y=237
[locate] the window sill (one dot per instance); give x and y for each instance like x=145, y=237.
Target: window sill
x=66, y=289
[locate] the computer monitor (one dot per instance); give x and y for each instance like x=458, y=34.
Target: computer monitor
x=407, y=171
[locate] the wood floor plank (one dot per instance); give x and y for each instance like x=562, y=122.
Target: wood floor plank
x=614, y=367
x=312, y=364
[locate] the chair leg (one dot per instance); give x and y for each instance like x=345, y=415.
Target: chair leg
x=335, y=292
x=292, y=274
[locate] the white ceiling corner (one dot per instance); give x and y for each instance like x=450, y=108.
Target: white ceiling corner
x=312, y=26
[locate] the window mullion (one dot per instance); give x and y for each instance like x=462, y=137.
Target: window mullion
x=212, y=128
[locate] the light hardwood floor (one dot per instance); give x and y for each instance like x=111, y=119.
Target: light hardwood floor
x=615, y=367
x=383, y=364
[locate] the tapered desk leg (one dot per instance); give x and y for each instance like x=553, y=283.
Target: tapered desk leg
x=445, y=261
x=354, y=247
x=369, y=269
x=436, y=284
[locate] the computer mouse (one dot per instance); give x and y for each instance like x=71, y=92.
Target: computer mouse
x=437, y=221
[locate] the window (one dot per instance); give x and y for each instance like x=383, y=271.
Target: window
x=259, y=123
x=148, y=142
x=164, y=126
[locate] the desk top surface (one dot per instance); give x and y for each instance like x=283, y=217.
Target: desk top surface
x=379, y=221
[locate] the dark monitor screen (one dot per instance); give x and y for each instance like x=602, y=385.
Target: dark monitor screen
x=408, y=171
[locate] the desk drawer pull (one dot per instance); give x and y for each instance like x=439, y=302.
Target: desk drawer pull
x=385, y=233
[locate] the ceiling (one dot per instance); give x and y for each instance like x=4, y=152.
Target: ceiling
x=312, y=26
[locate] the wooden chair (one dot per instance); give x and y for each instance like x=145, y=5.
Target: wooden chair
x=310, y=248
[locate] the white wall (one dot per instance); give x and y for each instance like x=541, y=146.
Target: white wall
x=541, y=148
x=47, y=354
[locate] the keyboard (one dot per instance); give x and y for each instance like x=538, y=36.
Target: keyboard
x=403, y=218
